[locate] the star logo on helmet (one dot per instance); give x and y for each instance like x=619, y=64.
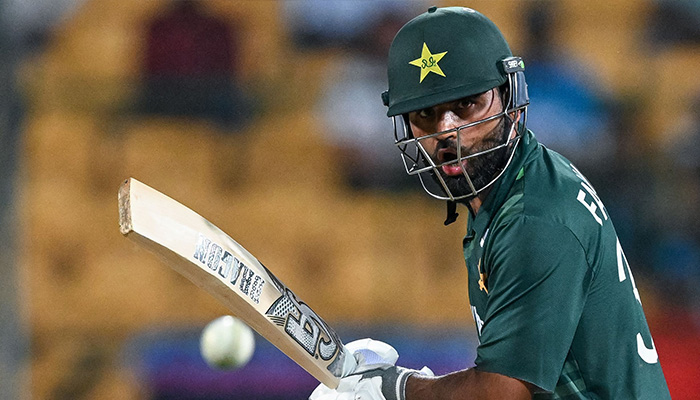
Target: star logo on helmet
x=428, y=62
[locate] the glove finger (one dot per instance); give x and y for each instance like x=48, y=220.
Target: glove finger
x=369, y=389
x=334, y=396
x=348, y=383
x=344, y=391
x=374, y=351
x=321, y=392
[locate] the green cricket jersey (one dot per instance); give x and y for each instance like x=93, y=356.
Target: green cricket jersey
x=552, y=295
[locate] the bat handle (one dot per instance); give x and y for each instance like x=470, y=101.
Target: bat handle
x=349, y=363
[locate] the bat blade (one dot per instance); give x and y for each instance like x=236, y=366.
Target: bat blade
x=215, y=262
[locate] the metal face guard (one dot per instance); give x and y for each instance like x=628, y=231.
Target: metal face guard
x=417, y=160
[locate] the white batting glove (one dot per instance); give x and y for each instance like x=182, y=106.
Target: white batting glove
x=377, y=384
x=371, y=354
x=344, y=391
x=374, y=378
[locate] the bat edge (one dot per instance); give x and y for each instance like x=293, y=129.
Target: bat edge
x=125, y=223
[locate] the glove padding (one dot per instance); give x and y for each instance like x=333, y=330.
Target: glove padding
x=371, y=354
x=375, y=377
x=378, y=384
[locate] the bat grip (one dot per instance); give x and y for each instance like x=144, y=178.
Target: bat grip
x=349, y=363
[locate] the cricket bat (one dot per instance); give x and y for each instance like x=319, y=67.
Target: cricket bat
x=209, y=258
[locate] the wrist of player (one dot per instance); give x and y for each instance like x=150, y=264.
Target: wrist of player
x=390, y=382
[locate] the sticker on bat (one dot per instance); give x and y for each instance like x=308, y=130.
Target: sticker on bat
x=303, y=325
x=228, y=268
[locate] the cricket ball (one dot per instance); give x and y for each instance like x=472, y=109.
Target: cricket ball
x=227, y=343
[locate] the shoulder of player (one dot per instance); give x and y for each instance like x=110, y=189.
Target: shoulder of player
x=530, y=229
x=550, y=204
x=549, y=187
x=550, y=177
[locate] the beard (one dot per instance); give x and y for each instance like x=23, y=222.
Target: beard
x=481, y=169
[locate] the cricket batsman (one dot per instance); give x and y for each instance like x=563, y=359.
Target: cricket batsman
x=556, y=308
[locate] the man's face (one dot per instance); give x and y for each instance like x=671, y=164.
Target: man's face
x=444, y=148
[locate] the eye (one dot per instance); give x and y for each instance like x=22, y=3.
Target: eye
x=425, y=113
x=465, y=103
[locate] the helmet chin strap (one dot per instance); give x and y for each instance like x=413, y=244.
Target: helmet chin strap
x=452, y=213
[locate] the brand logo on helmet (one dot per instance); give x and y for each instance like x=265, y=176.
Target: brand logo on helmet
x=428, y=62
x=515, y=63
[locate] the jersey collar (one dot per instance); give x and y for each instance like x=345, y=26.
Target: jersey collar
x=477, y=225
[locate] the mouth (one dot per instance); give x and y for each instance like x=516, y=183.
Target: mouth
x=447, y=158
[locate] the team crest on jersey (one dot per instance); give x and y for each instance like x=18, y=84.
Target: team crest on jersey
x=428, y=62
x=482, y=279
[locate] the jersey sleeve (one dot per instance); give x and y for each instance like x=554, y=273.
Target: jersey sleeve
x=538, y=280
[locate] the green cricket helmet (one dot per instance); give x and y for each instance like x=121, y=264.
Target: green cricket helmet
x=444, y=55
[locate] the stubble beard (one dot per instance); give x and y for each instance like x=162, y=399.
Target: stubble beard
x=481, y=169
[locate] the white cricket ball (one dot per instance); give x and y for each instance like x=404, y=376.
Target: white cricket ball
x=227, y=343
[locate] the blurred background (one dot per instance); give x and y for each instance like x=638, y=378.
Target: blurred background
x=265, y=117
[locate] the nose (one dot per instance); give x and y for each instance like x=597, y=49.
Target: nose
x=448, y=120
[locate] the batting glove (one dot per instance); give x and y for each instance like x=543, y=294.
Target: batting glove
x=374, y=378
